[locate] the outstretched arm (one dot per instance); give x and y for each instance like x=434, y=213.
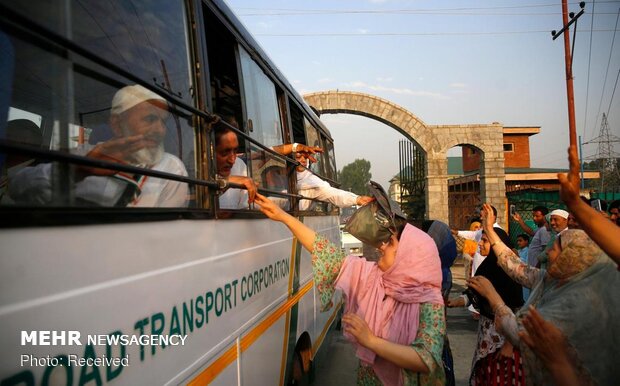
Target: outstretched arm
x=507, y=259
x=594, y=223
x=304, y=234
x=289, y=148
x=517, y=217
x=340, y=198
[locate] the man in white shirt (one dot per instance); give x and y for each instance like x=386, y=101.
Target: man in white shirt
x=309, y=185
x=231, y=168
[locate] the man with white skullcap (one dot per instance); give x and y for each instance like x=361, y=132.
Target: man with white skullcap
x=559, y=220
x=137, y=119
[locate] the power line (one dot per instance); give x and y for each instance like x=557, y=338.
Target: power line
x=600, y=104
x=405, y=12
x=331, y=34
x=585, y=115
x=613, y=92
x=459, y=11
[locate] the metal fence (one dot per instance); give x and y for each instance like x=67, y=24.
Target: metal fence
x=524, y=201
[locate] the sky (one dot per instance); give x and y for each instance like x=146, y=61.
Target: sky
x=447, y=62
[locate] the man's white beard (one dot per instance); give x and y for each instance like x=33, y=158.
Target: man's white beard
x=149, y=156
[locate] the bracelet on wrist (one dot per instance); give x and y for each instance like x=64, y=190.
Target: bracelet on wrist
x=497, y=307
x=295, y=146
x=222, y=182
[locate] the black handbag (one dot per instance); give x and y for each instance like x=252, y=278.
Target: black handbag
x=375, y=222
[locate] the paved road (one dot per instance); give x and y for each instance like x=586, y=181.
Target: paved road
x=337, y=365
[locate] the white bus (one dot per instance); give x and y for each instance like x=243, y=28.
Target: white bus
x=128, y=292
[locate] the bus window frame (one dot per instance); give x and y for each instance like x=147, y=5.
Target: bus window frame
x=47, y=40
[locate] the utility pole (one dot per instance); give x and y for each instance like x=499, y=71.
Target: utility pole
x=572, y=130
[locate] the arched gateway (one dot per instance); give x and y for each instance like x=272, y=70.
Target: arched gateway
x=435, y=141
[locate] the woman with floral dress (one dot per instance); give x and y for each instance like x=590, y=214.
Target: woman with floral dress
x=394, y=311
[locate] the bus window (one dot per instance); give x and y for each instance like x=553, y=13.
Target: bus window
x=225, y=95
x=83, y=117
x=297, y=122
x=261, y=103
x=312, y=139
x=145, y=37
x=270, y=172
x=328, y=148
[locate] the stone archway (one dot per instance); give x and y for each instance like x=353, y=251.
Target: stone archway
x=435, y=140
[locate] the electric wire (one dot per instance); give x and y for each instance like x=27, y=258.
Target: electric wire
x=600, y=104
x=367, y=34
x=613, y=92
x=441, y=11
x=585, y=115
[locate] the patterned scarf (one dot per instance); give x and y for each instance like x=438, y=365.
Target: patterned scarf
x=390, y=301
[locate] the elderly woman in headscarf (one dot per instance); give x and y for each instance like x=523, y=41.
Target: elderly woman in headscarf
x=578, y=293
x=394, y=311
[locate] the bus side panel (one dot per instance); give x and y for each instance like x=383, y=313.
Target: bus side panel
x=228, y=377
x=261, y=363
x=218, y=279
x=311, y=319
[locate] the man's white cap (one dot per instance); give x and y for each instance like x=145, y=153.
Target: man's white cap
x=560, y=212
x=130, y=96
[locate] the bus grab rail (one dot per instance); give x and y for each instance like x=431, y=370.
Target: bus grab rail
x=7, y=146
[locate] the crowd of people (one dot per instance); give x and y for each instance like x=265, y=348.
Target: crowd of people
x=559, y=332
x=569, y=284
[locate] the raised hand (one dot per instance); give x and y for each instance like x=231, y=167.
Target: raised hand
x=552, y=348
x=118, y=150
x=543, y=337
x=569, y=182
x=487, y=216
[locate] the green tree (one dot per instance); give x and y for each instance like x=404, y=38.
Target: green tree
x=609, y=180
x=354, y=177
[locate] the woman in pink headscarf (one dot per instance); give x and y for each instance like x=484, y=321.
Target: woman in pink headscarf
x=394, y=311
